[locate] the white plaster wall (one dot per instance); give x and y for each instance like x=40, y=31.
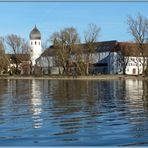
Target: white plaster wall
x=46, y=61
x=113, y=63
x=36, y=50
x=134, y=63
x=129, y=70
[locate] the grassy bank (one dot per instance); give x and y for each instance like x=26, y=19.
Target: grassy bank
x=98, y=77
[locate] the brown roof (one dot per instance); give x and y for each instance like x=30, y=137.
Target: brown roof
x=131, y=49
x=20, y=57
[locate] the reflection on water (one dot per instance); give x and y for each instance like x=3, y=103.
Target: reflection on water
x=36, y=102
x=93, y=113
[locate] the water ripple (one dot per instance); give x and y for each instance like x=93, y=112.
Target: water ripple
x=73, y=113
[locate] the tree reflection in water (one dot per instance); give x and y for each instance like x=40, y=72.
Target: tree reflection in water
x=75, y=112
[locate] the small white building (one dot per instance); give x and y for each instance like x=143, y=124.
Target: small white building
x=132, y=57
x=134, y=66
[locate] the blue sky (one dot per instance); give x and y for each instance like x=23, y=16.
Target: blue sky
x=20, y=17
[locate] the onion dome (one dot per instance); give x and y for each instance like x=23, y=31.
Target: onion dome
x=35, y=34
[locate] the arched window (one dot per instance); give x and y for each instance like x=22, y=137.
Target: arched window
x=35, y=42
x=31, y=42
x=39, y=43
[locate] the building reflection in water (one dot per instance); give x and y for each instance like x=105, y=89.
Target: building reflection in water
x=36, y=103
x=145, y=94
x=73, y=108
x=134, y=89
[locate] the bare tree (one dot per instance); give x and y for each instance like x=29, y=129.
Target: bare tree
x=80, y=60
x=45, y=44
x=2, y=46
x=18, y=46
x=4, y=61
x=61, y=55
x=138, y=28
x=64, y=41
x=91, y=36
x=124, y=54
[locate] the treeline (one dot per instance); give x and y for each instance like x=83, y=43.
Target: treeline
x=67, y=43
x=16, y=46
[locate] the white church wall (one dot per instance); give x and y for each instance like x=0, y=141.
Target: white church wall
x=36, y=50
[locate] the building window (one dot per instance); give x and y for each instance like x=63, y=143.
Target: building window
x=31, y=42
x=35, y=42
x=39, y=43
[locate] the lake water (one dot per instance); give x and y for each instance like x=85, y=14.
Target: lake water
x=73, y=113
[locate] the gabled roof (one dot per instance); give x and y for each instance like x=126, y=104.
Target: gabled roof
x=51, y=51
x=105, y=46
x=19, y=57
x=127, y=48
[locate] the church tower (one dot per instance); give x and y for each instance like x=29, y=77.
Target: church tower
x=35, y=44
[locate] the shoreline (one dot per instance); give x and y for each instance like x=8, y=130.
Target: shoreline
x=98, y=77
